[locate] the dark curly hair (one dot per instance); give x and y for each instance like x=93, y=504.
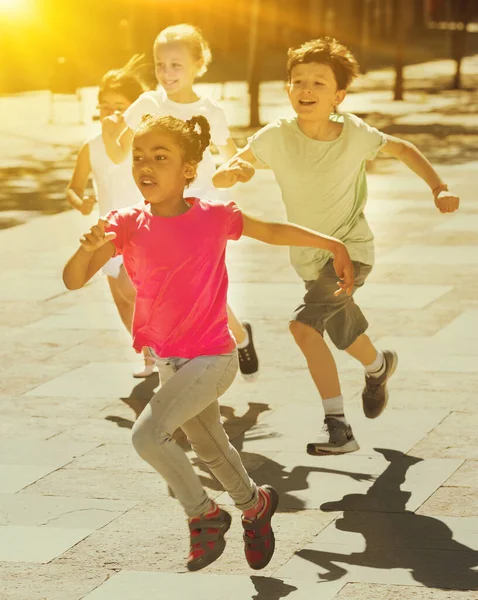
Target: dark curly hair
x=193, y=136
x=327, y=51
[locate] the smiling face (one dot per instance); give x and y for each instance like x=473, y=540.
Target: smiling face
x=111, y=102
x=159, y=169
x=313, y=91
x=175, y=67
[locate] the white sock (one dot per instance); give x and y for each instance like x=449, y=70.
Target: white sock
x=334, y=407
x=377, y=368
x=244, y=343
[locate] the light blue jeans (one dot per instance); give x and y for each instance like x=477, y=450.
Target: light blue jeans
x=188, y=399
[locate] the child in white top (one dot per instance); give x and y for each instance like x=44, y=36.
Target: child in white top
x=113, y=184
x=181, y=54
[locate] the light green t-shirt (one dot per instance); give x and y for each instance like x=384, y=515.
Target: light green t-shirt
x=323, y=184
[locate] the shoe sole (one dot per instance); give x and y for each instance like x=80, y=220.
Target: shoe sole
x=384, y=406
x=274, y=496
x=351, y=446
x=211, y=557
x=250, y=377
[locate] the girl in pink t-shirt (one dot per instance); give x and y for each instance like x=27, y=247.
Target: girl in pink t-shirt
x=174, y=252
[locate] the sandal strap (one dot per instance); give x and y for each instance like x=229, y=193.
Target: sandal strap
x=201, y=524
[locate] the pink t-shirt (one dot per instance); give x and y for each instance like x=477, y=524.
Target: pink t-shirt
x=178, y=268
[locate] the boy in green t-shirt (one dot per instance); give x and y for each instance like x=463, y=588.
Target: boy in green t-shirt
x=318, y=159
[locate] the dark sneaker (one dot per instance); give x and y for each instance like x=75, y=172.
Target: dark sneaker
x=207, y=538
x=248, y=361
x=259, y=540
x=336, y=438
x=375, y=392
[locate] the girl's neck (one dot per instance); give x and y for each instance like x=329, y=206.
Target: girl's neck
x=170, y=208
x=184, y=96
x=322, y=131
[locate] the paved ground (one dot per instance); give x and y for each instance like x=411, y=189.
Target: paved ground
x=82, y=517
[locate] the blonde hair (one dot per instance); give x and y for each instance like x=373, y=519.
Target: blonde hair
x=190, y=36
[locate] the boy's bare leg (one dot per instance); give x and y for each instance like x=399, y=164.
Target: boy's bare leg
x=337, y=436
x=319, y=359
x=363, y=350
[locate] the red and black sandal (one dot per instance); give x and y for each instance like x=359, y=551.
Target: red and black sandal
x=259, y=540
x=207, y=538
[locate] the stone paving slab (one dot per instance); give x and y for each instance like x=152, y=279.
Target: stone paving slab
x=16, y=477
x=453, y=502
x=34, y=581
x=112, y=380
x=454, y=437
x=465, y=476
x=54, y=511
x=445, y=256
x=107, y=485
x=55, y=408
x=37, y=544
x=25, y=461
x=434, y=347
x=366, y=591
x=398, y=296
x=94, y=322
x=158, y=586
x=52, y=453
x=463, y=328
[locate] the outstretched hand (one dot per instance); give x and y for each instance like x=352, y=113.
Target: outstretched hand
x=345, y=271
x=97, y=237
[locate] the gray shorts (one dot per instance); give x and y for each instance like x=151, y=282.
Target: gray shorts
x=339, y=316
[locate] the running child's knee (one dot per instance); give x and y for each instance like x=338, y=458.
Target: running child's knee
x=301, y=332
x=145, y=437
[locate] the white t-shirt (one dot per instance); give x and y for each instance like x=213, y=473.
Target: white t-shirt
x=156, y=103
x=113, y=184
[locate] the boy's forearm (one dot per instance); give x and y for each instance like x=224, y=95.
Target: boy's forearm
x=75, y=273
x=419, y=164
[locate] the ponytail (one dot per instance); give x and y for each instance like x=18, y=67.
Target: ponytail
x=203, y=136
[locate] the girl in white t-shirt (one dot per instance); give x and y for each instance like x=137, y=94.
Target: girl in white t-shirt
x=181, y=54
x=113, y=184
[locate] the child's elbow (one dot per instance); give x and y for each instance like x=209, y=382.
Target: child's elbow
x=70, y=282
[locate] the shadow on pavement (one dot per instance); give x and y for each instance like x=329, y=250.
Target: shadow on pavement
x=395, y=538
x=270, y=588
